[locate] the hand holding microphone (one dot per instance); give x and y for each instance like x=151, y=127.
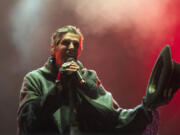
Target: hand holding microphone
x=70, y=67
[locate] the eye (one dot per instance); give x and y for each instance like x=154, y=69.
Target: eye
x=66, y=42
x=76, y=44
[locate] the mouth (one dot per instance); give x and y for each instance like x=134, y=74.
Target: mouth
x=70, y=56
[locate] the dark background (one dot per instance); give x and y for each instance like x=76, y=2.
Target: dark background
x=122, y=41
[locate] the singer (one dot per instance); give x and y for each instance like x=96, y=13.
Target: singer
x=63, y=97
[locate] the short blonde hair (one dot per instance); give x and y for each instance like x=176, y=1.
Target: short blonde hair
x=57, y=35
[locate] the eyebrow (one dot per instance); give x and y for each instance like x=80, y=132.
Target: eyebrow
x=64, y=41
x=69, y=40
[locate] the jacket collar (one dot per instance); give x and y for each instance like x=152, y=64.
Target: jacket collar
x=51, y=68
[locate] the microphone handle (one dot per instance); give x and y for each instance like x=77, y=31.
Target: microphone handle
x=80, y=78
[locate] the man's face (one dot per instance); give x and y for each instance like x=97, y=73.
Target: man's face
x=67, y=47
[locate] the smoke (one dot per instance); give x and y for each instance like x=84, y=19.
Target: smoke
x=124, y=30
x=150, y=24
x=25, y=23
x=147, y=16
x=33, y=21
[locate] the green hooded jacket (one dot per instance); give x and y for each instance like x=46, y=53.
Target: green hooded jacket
x=45, y=108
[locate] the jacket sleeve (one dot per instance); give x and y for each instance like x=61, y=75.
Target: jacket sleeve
x=115, y=118
x=35, y=109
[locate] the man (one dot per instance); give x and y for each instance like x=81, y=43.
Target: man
x=63, y=97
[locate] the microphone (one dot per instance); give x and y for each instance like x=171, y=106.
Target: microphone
x=78, y=74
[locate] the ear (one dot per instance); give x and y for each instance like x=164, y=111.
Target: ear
x=52, y=49
x=80, y=46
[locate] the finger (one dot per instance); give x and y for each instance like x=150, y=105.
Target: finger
x=74, y=67
x=71, y=70
x=74, y=63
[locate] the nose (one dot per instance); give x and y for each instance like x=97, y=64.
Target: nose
x=71, y=46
